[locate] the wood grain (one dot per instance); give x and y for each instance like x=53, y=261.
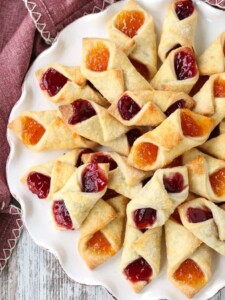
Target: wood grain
x=35, y=274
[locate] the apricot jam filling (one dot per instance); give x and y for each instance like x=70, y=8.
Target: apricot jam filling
x=217, y=181
x=194, y=125
x=191, y=274
x=129, y=22
x=219, y=87
x=99, y=244
x=32, y=131
x=138, y=270
x=145, y=154
x=98, y=58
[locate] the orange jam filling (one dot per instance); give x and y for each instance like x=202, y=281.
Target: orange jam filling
x=99, y=244
x=194, y=125
x=32, y=131
x=98, y=58
x=141, y=68
x=217, y=181
x=145, y=154
x=219, y=87
x=129, y=22
x=191, y=274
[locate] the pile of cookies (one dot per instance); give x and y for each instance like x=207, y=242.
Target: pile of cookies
x=146, y=147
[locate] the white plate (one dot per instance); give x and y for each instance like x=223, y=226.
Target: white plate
x=36, y=213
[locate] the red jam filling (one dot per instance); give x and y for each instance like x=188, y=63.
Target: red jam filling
x=197, y=214
x=176, y=216
x=138, y=270
x=129, y=22
x=198, y=85
x=174, y=183
x=132, y=135
x=52, y=81
x=32, y=131
x=39, y=184
x=178, y=104
x=184, y=9
x=185, y=64
x=127, y=107
x=145, y=154
x=104, y=159
x=215, y=132
x=82, y=110
x=141, y=68
x=217, y=181
x=144, y=217
x=61, y=214
x=79, y=161
x=93, y=179
x=191, y=274
x=176, y=162
x=109, y=194
x=219, y=87
x=98, y=58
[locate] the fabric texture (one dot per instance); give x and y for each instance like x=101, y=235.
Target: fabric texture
x=23, y=36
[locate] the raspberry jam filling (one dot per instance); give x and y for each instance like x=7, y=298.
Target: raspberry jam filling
x=217, y=181
x=178, y=104
x=32, y=131
x=82, y=110
x=97, y=58
x=39, y=184
x=138, y=270
x=129, y=22
x=195, y=125
x=219, y=87
x=99, y=244
x=184, y=9
x=145, y=154
x=93, y=179
x=144, y=217
x=198, y=214
x=79, y=161
x=104, y=159
x=198, y=85
x=191, y=274
x=132, y=135
x=109, y=194
x=184, y=64
x=61, y=214
x=127, y=107
x=174, y=183
x=52, y=81
x=141, y=68
x=177, y=162
x=176, y=216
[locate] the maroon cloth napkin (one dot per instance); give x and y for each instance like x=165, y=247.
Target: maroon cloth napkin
x=26, y=29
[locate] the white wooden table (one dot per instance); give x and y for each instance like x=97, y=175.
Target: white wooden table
x=35, y=274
